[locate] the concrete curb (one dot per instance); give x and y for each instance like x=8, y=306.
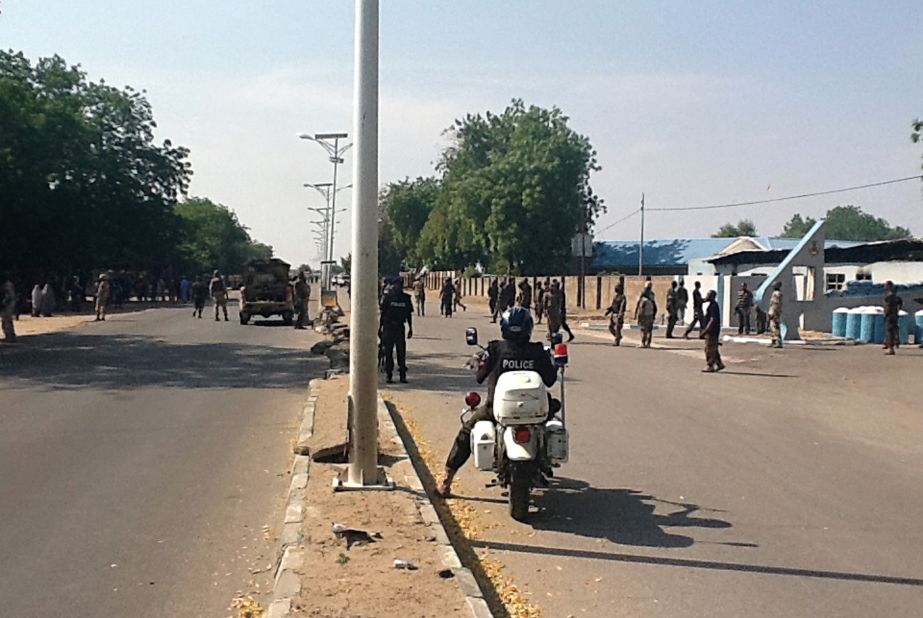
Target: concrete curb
x=463, y=576
x=287, y=581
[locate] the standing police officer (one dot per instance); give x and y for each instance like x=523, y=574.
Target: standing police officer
x=396, y=308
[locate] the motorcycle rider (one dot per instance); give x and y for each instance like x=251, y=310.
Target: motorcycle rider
x=513, y=353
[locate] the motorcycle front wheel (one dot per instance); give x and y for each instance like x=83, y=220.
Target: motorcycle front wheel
x=520, y=489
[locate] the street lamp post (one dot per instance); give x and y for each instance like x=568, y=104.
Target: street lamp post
x=329, y=191
x=330, y=142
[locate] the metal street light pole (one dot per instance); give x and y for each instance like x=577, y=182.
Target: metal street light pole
x=363, y=332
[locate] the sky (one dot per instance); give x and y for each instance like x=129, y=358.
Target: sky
x=690, y=103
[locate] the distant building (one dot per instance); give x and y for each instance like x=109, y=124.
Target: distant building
x=685, y=256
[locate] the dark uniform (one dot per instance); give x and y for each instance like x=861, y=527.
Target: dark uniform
x=396, y=308
x=697, y=314
x=502, y=356
x=672, y=310
x=493, y=293
x=199, y=294
x=525, y=295
x=302, y=295
x=893, y=305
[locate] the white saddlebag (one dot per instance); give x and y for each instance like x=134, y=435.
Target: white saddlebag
x=556, y=436
x=483, y=445
x=520, y=398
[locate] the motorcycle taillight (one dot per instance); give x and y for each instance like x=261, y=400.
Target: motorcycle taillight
x=472, y=400
x=521, y=435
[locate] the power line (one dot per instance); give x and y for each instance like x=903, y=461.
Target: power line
x=780, y=199
x=614, y=223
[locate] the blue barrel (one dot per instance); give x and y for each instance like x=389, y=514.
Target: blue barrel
x=839, y=322
x=903, y=327
x=867, y=325
x=918, y=328
x=878, y=325
x=853, y=323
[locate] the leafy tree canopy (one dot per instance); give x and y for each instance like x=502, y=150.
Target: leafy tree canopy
x=744, y=227
x=212, y=237
x=514, y=189
x=847, y=223
x=408, y=205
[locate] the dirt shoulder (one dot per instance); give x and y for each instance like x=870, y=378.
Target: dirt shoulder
x=359, y=581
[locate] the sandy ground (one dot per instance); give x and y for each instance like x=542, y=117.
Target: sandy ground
x=362, y=581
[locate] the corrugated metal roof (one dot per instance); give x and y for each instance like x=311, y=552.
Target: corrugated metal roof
x=681, y=251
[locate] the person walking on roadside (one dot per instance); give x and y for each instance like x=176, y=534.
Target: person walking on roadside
x=616, y=313
x=447, y=297
x=554, y=301
x=76, y=294
x=219, y=293
x=49, y=305
x=742, y=309
x=696, y=310
x=711, y=332
x=524, y=299
x=396, y=309
x=645, y=311
x=103, y=290
x=893, y=305
x=419, y=291
x=199, y=292
x=507, y=296
x=564, y=326
x=543, y=289
x=458, y=298
x=7, y=308
x=302, y=293
x=184, y=286
x=493, y=295
x=682, y=301
x=672, y=309
x=37, y=301
x=775, y=315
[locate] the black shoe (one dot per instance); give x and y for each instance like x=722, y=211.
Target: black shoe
x=389, y=380
x=570, y=337
x=403, y=379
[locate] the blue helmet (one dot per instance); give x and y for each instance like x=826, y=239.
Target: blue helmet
x=516, y=325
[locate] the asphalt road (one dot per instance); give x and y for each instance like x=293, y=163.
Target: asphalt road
x=140, y=459
x=788, y=485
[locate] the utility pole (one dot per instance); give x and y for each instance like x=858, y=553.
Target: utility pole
x=582, y=287
x=641, y=246
x=363, y=469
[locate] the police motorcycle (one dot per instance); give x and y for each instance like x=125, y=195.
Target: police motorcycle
x=523, y=442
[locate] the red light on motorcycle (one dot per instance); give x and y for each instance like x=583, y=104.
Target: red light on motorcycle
x=472, y=399
x=522, y=435
x=560, y=354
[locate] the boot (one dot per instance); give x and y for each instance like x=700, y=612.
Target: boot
x=444, y=487
x=403, y=377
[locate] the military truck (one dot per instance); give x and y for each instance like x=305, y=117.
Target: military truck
x=266, y=290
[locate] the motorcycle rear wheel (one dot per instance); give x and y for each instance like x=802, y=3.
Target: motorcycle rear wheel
x=520, y=490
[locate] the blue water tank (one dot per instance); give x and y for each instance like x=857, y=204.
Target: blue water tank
x=903, y=327
x=878, y=325
x=867, y=325
x=839, y=322
x=918, y=328
x=853, y=323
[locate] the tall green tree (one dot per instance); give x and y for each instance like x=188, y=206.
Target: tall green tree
x=515, y=189
x=847, y=223
x=212, y=237
x=744, y=227
x=84, y=182
x=798, y=226
x=851, y=223
x=408, y=204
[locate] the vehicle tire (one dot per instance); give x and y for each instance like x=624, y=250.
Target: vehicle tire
x=288, y=317
x=520, y=488
x=244, y=318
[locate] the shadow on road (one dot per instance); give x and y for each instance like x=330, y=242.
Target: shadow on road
x=69, y=360
x=623, y=516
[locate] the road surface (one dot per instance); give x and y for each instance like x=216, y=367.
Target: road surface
x=788, y=485
x=140, y=458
